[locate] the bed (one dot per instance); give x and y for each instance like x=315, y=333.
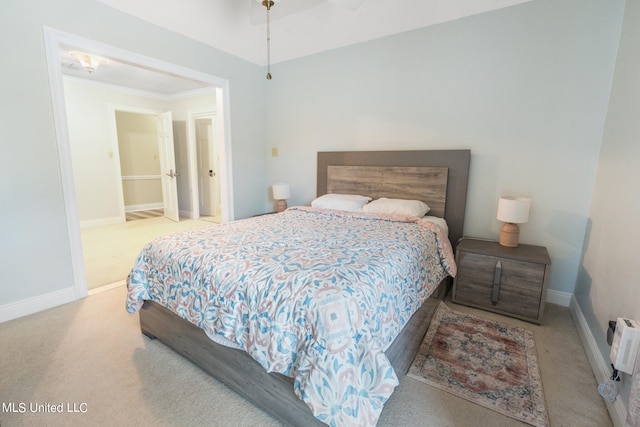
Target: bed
x=318, y=347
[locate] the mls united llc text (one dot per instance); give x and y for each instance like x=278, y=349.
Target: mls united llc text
x=44, y=408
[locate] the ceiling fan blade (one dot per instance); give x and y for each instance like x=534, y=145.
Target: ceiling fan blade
x=279, y=9
x=347, y=4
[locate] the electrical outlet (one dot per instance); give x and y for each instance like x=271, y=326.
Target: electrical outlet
x=626, y=342
x=274, y=152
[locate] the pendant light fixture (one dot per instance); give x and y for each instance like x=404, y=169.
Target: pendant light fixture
x=88, y=61
x=268, y=4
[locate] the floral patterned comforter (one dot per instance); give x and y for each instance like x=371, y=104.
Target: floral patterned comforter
x=313, y=294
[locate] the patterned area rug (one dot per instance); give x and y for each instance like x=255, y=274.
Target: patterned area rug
x=486, y=362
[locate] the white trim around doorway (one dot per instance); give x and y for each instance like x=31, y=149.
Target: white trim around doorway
x=52, y=40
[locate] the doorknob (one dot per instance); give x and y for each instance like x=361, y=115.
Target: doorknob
x=211, y=173
x=172, y=174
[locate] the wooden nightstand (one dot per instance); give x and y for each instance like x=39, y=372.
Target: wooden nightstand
x=509, y=281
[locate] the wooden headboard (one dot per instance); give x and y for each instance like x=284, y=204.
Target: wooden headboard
x=437, y=177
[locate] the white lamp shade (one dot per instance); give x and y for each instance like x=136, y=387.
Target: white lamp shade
x=281, y=191
x=514, y=209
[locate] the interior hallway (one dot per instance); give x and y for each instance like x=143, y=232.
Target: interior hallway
x=110, y=251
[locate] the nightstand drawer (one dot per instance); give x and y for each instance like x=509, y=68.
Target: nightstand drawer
x=509, y=281
x=518, y=290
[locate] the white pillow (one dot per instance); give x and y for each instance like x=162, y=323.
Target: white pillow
x=342, y=202
x=397, y=207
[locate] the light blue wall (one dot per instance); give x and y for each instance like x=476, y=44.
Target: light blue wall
x=608, y=286
x=525, y=88
x=34, y=245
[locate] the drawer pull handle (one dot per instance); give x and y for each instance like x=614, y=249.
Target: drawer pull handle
x=496, y=283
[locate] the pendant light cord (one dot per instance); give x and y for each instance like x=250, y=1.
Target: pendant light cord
x=269, y=3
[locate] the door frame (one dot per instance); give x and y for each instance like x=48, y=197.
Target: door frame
x=52, y=40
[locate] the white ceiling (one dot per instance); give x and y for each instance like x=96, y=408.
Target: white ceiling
x=298, y=28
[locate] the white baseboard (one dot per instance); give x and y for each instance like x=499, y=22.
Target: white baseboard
x=106, y=288
x=144, y=207
x=101, y=222
x=187, y=214
x=28, y=306
x=600, y=367
x=559, y=298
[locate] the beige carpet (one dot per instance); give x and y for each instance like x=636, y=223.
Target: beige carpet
x=91, y=352
x=110, y=251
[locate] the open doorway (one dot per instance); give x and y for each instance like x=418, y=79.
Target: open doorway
x=53, y=41
x=207, y=171
x=147, y=166
x=140, y=169
x=204, y=142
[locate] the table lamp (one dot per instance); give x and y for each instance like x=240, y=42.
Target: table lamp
x=512, y=211
x=281, y=192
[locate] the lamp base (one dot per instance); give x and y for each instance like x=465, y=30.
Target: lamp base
x=281, y=205
x=509, y=235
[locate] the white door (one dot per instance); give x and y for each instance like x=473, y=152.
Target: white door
x=168, y=167
x=206, y=173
